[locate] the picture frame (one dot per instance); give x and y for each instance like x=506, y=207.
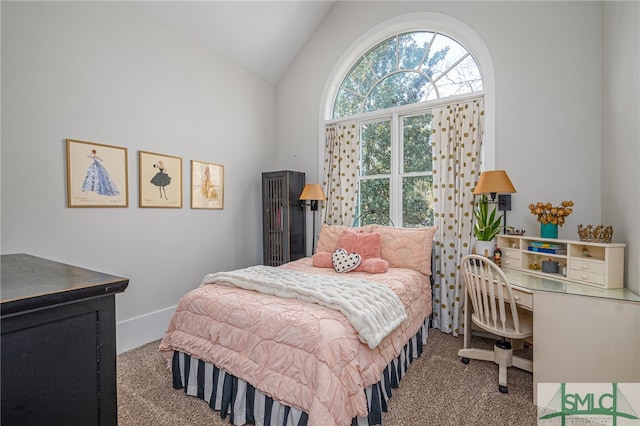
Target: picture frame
x=97, y=175
x=160, y=180
x=207, y=185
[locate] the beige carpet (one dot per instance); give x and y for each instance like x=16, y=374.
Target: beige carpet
x=438, y=390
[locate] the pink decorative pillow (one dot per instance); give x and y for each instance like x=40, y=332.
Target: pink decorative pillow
x=407, y=247
x=330, y=234
x=322, y=259
x=367, y=245
x=374, y=265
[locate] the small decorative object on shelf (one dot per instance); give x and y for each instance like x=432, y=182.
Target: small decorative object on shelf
x=550, y=216
x=548, y=230
x=512, y=231
x=496, y=256
x=550, y=266
x=595, y=234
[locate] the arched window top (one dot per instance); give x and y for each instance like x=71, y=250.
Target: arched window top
x=408, y=68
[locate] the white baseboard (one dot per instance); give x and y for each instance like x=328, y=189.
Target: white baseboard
x=135, y=332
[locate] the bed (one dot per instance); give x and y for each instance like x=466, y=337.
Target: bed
x=298, y=344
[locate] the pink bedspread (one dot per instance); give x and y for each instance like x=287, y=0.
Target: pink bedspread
x=302, y=354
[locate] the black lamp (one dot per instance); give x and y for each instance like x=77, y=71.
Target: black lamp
x=313, y=193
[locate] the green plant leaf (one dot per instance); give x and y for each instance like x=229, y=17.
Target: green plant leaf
x=487, y=225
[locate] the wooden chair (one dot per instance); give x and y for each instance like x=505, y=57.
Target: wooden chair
x=494, y=310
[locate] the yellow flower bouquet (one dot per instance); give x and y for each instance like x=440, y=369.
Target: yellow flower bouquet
x=548, y=213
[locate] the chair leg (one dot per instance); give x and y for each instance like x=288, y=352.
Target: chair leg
x=502, y=375
x=503, y=357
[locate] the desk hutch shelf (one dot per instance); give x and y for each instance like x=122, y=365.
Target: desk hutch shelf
x=599, y=265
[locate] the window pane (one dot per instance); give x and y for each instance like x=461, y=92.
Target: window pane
x=416, y=132
x=374, y=195
x=360, y=78
x=443, y=54
x=347, y=104
x=463, y=78
x=375, y=142
x=383, y=58
x=413, y=47
x=398, y=89
x=417, y=201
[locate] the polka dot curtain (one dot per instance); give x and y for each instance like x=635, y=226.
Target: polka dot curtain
x=340, y=176
x=457, y=144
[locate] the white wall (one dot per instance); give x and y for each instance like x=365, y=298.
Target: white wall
x=621, y=129
x=104, y=72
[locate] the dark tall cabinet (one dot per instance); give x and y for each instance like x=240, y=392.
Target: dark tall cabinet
x=283, y=217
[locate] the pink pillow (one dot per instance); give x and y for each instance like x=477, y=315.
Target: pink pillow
x=407, y=247
x=330, y=234
x=367, y=245
x=323, y=259
x=374, y=265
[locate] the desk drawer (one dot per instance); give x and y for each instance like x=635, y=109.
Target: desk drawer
x=587, y=266
x=587, y=277
x=510, y=254
x=511, y=258
x=523, y=299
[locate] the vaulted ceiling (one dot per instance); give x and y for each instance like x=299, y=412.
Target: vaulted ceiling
x=262, y=36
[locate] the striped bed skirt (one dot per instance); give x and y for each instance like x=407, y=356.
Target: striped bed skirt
x=245, y=404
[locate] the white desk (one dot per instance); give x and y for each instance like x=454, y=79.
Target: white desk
x=581, y=334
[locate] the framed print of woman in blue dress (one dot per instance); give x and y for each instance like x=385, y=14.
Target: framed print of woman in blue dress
x=96, y=175
x=160, y=180
x=98, y=179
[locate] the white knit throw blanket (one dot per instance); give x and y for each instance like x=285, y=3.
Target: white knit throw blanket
x=373, y=309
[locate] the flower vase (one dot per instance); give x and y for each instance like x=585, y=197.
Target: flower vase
x=548, y=230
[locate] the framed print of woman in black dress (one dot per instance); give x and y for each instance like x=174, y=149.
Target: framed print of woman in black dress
x=160, y=180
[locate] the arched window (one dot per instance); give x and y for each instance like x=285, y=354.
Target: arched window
x=406, y=69
x=389, y=93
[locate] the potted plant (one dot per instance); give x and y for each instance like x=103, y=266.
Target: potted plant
x=486, y=227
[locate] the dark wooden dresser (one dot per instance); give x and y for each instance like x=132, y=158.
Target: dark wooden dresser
x=58, y=344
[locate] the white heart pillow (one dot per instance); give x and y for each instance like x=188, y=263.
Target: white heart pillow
x=345, y=262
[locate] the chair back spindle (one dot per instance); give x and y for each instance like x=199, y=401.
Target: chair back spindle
x=491, y=296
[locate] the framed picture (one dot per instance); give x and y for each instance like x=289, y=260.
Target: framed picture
x=160, y=180
x=96, y=175
x=207, y=185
